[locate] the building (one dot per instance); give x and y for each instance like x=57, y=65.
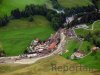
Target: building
x=78, y=55
x=84, y=26
x=95, y=48
x=52, y=46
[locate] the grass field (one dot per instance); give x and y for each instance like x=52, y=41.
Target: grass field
x=74, y=3
x=73, y=44
x=97, y=25
x=7, y=5
x=85, y=46
x=5, y=68
x=17, y=35
x=90, y=61
x=83, y=32
x=43, y=67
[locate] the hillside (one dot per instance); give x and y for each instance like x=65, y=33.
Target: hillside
x=74, y=3
x=7, y=5
x=17, y=35
x=49, y=37
x=90, y=60
x=43, y=67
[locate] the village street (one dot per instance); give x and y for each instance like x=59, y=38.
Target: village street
x=33, y=60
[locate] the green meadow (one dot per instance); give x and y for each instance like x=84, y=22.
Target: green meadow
x=74, y=3
x=7, y=5
x=44, y=67
x=71, y=46
x=83, y=32
x=18, y=34
x=91, y=60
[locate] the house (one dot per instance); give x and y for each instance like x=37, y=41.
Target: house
x=78, y=54
x=84, y=26
x=31, y=55
x=70, y=33
x=95, y=48
x=34, y=42
x=52, y=46
x=69, y=19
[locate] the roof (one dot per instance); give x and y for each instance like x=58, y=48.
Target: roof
x=78, y=55
x=81, y=52
x=95, y=48
x=52, y=45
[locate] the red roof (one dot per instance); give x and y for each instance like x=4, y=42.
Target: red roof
x=52, y=45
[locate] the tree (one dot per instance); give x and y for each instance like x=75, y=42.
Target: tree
x=2, y=53
x=4, y=21
x=25, y=51
x=88, y=48
x=94, y=53
x=0, y=1
x=75, y=49
x=88, y=37
x=57, y=21
x=16, y=13
x=56, y=4
x=30, y=18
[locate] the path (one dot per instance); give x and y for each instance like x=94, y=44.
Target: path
x=81, y=41
x=92, y=28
